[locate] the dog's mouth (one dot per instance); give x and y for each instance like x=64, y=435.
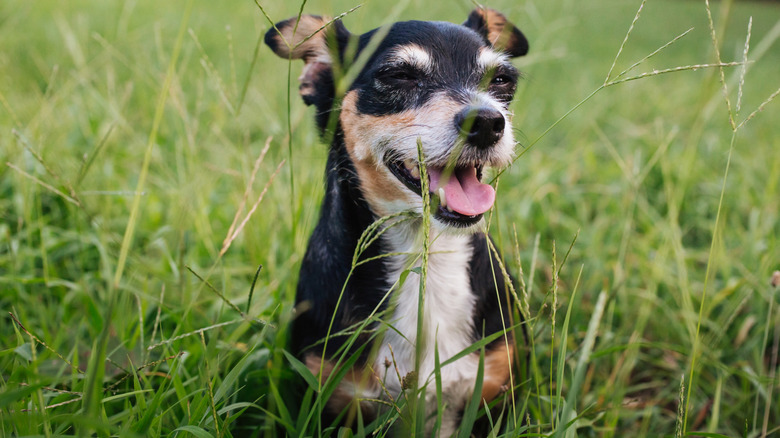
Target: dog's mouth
x=463, y=198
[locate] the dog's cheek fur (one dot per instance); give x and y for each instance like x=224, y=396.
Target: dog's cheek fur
x=384, y=193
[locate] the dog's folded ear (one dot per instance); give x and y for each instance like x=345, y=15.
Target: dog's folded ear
x=499, y=32
x=315, y=40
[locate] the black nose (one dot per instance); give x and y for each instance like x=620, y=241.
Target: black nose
x=482, y=126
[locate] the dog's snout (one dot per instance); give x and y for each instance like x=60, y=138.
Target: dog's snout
x=482, y=126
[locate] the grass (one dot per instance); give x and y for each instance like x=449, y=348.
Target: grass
x=132, y=148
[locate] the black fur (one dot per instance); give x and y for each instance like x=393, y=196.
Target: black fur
x=325, y=267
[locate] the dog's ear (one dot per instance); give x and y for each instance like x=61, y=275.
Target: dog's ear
x=500, y=32
x=315, y=40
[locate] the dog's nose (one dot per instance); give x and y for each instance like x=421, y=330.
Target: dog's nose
x=482, y=126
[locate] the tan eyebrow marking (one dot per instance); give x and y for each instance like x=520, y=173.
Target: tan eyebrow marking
x=490, y=59
x=413, y=55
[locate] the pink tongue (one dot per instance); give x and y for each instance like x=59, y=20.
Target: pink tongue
x=464, y=193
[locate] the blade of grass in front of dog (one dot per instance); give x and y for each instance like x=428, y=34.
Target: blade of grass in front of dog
x=582, y=362
x=304, y=406
x=476, y=346
x=426, y=242
x=353, y=70
x=335, y=378
x=283, y=417
x=301, y=369
x=437, y=381
x=325, y=389
x=509, y=294
x=368, y=236
x=495, y=425
x=470, y=414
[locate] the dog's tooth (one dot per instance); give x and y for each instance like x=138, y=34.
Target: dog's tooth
x=415, y=172
x=442, y=198
x=409, y=164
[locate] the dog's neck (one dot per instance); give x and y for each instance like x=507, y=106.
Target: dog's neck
x=448, y=305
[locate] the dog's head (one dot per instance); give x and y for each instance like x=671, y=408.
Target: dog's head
x=447, y=86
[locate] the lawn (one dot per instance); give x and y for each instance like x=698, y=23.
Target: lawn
x=159, y=178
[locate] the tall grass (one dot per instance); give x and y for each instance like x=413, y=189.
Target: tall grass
x=134, y=135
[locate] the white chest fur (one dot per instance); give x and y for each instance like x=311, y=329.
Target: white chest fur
x=447, y=319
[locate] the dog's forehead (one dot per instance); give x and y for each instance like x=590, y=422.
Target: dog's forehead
x=436, y=40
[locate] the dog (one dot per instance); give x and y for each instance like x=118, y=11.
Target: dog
x=380, y=98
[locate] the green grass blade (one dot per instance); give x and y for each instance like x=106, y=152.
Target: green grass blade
x=562, y=350
x=470, y=414
x=194, y=430
x=9, y=397
x=582, y=362
x=302, y=370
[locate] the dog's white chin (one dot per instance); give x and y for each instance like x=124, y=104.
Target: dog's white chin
x=442, y=227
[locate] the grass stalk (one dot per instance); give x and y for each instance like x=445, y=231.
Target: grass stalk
x=158, y=115
x=710, y=265
x=582, y=362
x=420, y=341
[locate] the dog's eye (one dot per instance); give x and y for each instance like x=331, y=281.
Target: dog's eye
x=500, y=80
x=397, y=75
x=403, y=75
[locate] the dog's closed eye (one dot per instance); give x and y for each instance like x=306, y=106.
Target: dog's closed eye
x=400, y=73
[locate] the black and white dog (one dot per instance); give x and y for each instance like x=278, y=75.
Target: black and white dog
x=447, y=86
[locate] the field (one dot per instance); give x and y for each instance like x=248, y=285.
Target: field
x=642, y=218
